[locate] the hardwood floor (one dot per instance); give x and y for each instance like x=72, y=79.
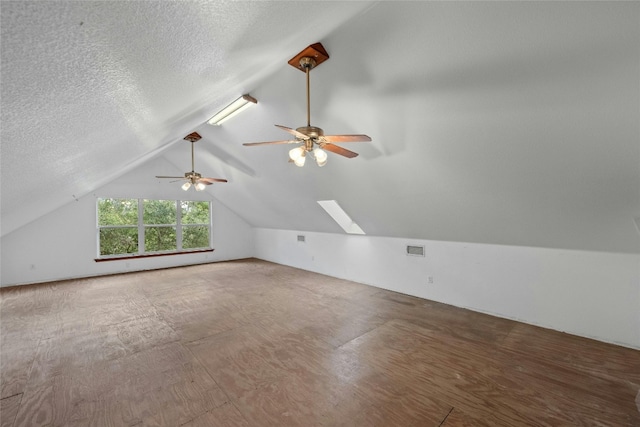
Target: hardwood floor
x=251, y=343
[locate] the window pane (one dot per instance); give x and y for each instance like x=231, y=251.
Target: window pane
x=160, y=239
x=195, y=212
x=195, y=236
x=117, y=211
x=159, y=212
x=118, y=241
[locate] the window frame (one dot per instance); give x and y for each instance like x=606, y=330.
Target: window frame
x=141, y=228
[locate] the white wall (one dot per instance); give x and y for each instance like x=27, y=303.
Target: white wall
x=62, y=244
x=591, y=294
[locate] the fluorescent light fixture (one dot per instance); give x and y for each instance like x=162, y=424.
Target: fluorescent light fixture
x=240, y=104
x=340, y=216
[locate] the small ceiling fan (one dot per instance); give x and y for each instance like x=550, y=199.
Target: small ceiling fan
x=312, y=138
x=193, y=178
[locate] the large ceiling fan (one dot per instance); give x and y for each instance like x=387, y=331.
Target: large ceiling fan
x=312, y=139
x=193, y=178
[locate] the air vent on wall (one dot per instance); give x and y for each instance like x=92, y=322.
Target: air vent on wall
x=300, y=238
x=415, y=250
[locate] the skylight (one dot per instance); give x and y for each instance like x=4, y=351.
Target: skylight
x=340, y=216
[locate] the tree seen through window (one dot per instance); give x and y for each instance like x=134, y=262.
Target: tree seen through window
x=163, y=226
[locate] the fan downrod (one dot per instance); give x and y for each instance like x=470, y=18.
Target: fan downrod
x=307, y=63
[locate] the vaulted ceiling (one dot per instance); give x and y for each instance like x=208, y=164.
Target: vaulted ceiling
x=496, y=122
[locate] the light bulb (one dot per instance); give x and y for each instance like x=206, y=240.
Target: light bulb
x=186, y=186
x=300, y=161
x=296, y=153
x=321, y=156
x=200, y=186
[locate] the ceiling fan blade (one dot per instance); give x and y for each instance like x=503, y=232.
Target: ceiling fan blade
x=209, y=181
x=293, y=132
x=249, y=144
x=339, y=150
x=174, y=177
x=346, y=138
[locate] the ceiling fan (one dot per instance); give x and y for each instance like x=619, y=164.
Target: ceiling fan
x=193, y=178
x=312, y=139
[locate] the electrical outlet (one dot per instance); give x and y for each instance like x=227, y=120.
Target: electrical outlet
x=32, y=267
x=430, y=279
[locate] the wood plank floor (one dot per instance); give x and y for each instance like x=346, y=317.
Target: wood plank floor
x=251, y=343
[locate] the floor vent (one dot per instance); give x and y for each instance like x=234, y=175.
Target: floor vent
x=415, y=250
x=300, y=238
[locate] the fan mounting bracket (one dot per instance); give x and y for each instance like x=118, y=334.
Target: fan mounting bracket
x=316, y=52
x=193, y=137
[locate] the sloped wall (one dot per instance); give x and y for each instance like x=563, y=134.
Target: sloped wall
x=62, y=244
x=591, y=294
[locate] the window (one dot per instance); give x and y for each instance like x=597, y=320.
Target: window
x=160, y=226
x=340, y=216
x=131, y=227
x=195, y=224
x=118, y=226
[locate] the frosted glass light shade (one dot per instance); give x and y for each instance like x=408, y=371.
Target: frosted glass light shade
x=186, y=186
x=321, y=156
x=296, y=153
x=200, y=186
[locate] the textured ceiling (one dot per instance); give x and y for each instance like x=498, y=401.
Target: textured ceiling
x=509, y=123
x=90, y=88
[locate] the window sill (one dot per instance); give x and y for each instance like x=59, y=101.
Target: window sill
x=119, y=258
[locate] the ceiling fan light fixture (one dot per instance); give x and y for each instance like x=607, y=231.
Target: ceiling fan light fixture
x=296, y=153
x=300, y=162
x=320, y=156
x=193, y=178
x=312, y=136
x=237, y=106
